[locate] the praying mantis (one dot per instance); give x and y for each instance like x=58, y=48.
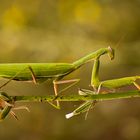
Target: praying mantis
x=40, y=72
x=97, y=84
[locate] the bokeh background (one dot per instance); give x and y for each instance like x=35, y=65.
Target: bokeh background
x=64, y=31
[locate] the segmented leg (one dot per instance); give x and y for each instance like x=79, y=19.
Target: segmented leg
x=56, y=83
x=33, y=75
x=14, y=115
x=99, y=88
x=18, y=108
x=93, y=103
x=21, y=107
x=137, y=86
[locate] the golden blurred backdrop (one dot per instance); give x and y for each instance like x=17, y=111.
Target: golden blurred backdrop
x=64, y=31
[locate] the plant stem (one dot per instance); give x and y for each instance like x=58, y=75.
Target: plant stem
x=108, y=96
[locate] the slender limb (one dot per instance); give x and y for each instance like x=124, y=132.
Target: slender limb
x=14, y=115
x=95, y=75
x=21, y=107
x=56, y=83
x=92, y=105
x=137, y=86
x=86, y=106
x=55, y=86
x=32, y=74
x=99, y=88
x=73, y=81
x=18, y=108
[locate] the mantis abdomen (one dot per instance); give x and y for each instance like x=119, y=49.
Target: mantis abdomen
x=40, y=70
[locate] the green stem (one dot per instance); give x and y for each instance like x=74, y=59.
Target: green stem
x=108, y=96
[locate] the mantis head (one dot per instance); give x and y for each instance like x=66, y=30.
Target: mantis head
x=111, y=53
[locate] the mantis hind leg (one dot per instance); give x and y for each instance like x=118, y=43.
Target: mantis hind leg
x=136, y=85
x=56, y=83
x=32, y=74
x=35, y=82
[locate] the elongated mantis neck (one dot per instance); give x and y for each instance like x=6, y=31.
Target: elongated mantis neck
x=91, y=57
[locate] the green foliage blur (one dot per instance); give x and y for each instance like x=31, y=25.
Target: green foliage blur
x=64, y=31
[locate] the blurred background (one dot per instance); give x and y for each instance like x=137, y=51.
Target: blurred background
x=64, y=31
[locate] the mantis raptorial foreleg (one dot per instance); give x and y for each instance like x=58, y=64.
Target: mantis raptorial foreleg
x=94, y=83
x=85, y=107
x=113, y=83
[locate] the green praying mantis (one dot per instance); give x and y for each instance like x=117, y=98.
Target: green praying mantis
x=97, y=85
x=40, y=72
